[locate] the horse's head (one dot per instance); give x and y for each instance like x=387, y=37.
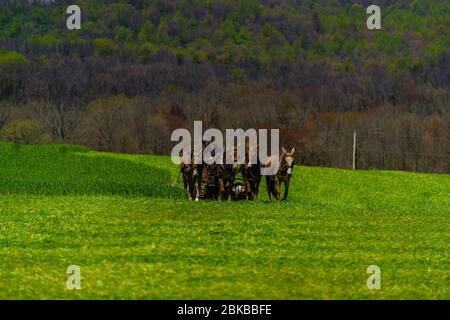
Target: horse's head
x=184, y=164
x=186, y=169
x=287, y=158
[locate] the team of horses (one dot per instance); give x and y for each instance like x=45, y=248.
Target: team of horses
x=218, y=181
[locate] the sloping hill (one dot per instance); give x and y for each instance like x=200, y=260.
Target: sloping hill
x=66, y=169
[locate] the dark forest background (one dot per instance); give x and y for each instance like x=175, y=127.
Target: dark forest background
x=139, y=69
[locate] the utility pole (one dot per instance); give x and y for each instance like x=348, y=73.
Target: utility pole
x=354, y=150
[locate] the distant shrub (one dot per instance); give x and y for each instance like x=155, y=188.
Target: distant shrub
x=24, y=131
x=105, y=47
x=12, y=58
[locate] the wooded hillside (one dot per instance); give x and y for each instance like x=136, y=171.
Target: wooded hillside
x=139, y=69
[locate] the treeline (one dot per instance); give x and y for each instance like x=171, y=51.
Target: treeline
x=139, y=69
x=388, y=137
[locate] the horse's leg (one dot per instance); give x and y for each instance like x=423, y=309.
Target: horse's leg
x=233, y=183
x=186, y=186
x=258, y=184
x=252, y=194
x=188, y=190
x=229, y=188
x=248, y=189
x=199, y=183
x=200, y=180
x=286, y=188
x=256, y=190
x=269, y=188
x=197, y=188
x=184, y=183
x=221, y=188
x=277, y=189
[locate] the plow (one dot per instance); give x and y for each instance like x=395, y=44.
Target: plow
x=209, y=189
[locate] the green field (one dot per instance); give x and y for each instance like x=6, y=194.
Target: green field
x=123, y=221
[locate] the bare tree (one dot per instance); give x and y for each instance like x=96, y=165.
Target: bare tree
x=5, y=112
x=447, y=137
x=107, y=117
x=58, y=118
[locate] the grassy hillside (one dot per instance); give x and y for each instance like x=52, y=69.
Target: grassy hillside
x=65, y=169
x=134, y=245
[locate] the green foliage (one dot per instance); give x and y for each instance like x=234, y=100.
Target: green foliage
x=328, y=30
x=12, y=58
x=24, y=131
x=123, y=35
x=147, y=32
x=162, y=31
x=146, y=50
x=45, y=41
x=105, y=47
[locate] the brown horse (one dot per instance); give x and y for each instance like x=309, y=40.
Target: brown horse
x=222, y=176
x=251, y=173
x=283, y=176
x=227, y=175
x=192, y=176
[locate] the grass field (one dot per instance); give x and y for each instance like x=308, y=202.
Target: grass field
x=135, y=237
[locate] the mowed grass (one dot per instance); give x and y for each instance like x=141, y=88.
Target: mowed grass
x=133, y=245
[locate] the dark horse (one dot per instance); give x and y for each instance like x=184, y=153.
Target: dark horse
x=283, y=176
x=192, y=177
x=222, y=176
x=251, y=173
